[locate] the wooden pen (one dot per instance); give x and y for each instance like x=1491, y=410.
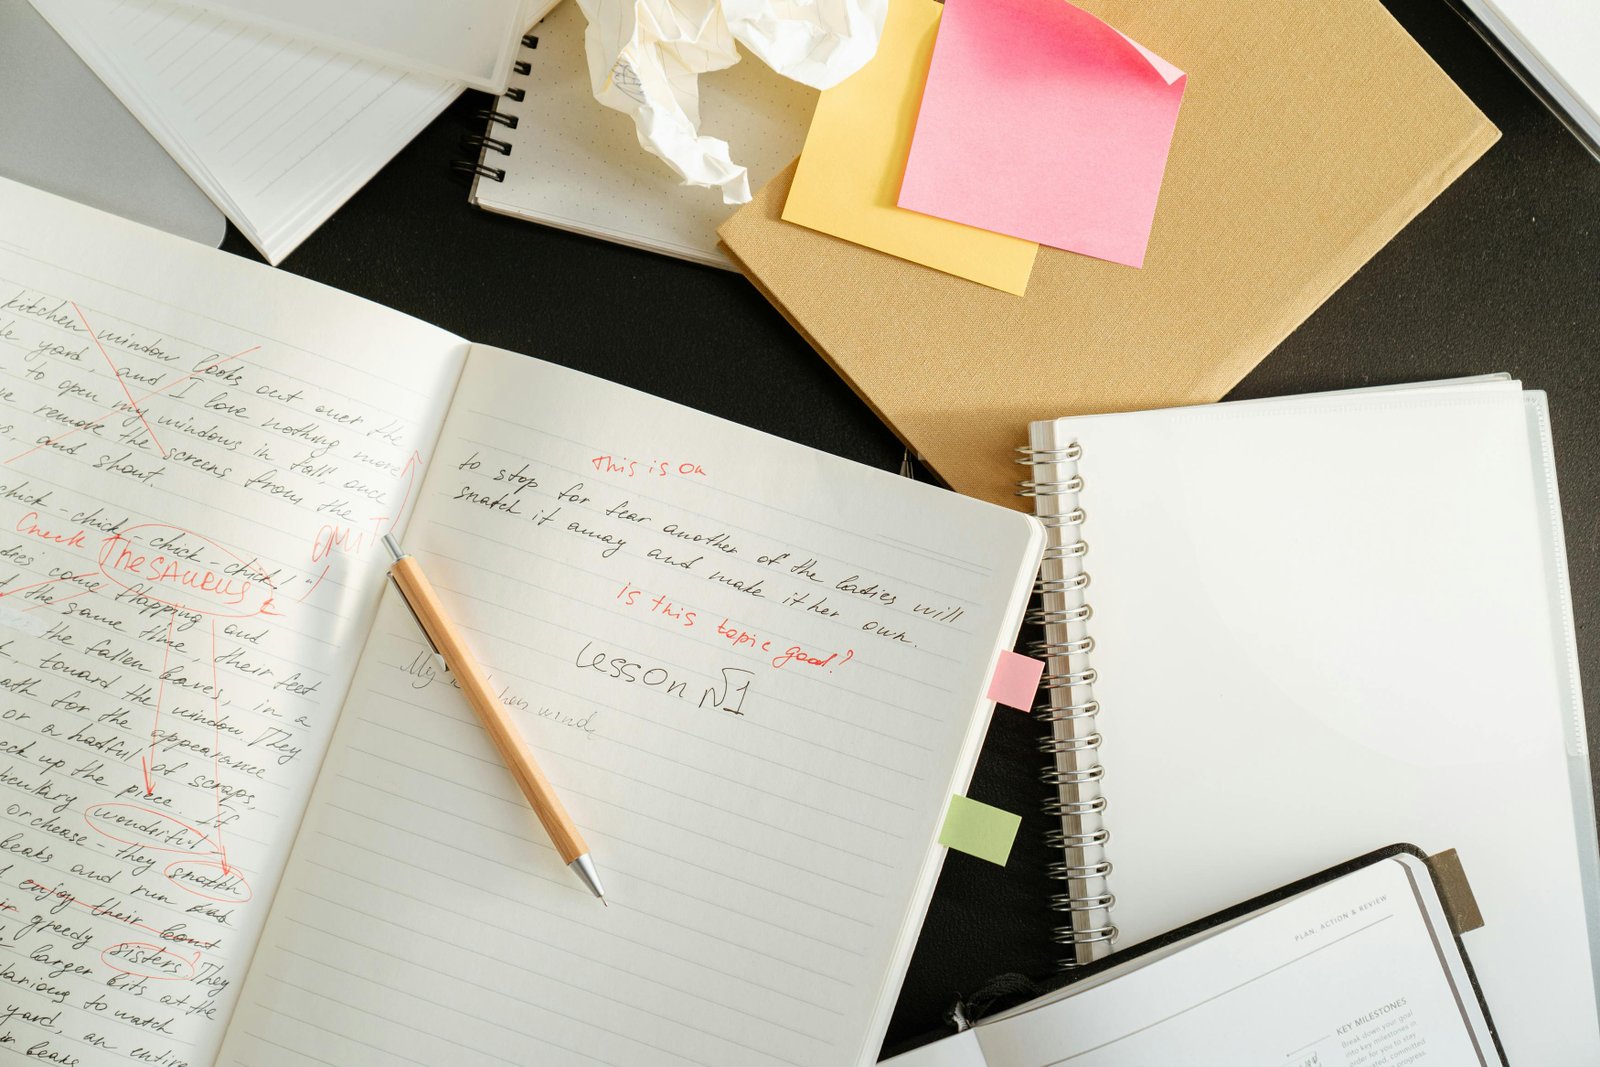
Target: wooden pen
x=449, y=645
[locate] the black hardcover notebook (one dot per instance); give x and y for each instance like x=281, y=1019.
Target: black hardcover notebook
x=1360, y=965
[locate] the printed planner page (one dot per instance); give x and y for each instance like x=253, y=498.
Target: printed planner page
x=754, y=673
x=1351, y=973
x=189, y=489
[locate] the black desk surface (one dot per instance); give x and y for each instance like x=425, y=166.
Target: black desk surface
x=1502, y=273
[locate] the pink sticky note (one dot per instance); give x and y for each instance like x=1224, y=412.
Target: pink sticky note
x=1016, y=680
x=1042, y=122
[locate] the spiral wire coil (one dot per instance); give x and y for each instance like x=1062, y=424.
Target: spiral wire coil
x=1068, y=707
x=486, y=144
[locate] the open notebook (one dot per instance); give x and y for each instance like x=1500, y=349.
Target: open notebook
x=277, y=132
x=1279, y=627
x=755, y=672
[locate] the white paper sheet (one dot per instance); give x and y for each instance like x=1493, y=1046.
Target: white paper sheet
x=646, y=56
x=469, y=41
x=1347, y=603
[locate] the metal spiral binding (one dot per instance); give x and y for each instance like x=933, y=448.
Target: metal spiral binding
x=485, y=143
x=1069, y=708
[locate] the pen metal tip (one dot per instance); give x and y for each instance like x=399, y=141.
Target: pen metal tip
x=395, y=551
x=583, y=867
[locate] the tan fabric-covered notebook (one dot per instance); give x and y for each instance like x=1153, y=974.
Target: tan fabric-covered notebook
x=1309, y=136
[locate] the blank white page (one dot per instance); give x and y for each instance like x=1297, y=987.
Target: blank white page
x=277, y=132
x=578, y=165
x=761, y=772
x=1322, y=623
x=469, y=41
x=195, y=454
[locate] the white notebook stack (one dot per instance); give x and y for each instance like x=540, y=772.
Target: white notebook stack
x=280, y=112
x=1283, y=631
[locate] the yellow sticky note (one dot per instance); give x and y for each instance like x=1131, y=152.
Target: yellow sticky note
x=855, y=154
x=979, y=829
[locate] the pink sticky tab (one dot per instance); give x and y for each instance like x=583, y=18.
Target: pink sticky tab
x=1015, y=681
x=1042, y=122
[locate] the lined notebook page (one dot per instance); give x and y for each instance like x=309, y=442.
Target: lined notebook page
x=469, y=41
x=194, y=452
x=277, y=132
x=753, y=671
x=578, y=165
x=1554, y=40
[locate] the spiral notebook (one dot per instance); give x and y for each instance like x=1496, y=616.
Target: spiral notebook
x=465, y=41
x=1313, y=620
x=553, y=154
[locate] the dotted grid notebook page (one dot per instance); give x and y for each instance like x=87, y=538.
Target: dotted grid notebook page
x=578, y=165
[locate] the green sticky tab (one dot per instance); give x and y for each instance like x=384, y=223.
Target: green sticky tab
x=979, y=830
